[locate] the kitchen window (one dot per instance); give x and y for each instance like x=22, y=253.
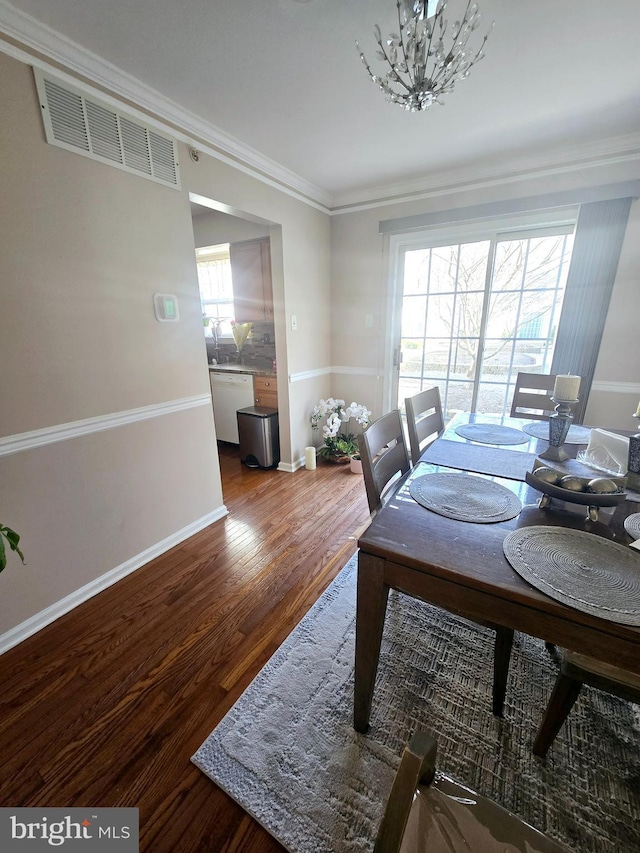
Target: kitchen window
x=216, y=289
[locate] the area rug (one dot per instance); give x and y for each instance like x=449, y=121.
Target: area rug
x=288, y=754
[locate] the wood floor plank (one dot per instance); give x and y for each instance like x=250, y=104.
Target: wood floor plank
x=107, y=705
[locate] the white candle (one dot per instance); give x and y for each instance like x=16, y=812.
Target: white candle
x=310, y=458
x=566, y=387
x=637, y=412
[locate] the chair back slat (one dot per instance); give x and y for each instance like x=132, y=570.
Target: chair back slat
x=384, y=456
x=425, y=421
x=427, y=809
x=529, y=404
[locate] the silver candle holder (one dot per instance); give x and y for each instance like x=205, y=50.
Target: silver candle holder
x=559, y=424
x=633, y=474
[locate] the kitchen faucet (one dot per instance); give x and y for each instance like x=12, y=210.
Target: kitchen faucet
x=215, y=328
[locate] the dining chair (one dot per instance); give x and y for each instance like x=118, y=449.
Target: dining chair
x=577, y=669
x=424, y=420
x=384, y=456
x=532, y=396
x=428, y=810
x=385, y=460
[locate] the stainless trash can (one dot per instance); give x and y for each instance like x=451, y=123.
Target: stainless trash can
x=258, y=437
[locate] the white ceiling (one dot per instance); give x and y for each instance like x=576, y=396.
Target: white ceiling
x=560, y=82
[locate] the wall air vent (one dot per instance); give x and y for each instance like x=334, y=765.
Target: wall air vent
x=78, y=122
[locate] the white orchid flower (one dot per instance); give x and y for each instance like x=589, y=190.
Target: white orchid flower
x=338, y=438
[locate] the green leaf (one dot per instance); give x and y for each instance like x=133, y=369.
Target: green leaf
x=12, y=538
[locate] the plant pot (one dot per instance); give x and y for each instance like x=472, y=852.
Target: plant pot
x=337, y=458
x=356, y=465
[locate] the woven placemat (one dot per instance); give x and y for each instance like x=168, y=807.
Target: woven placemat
x=465, y=497
x=585, y=571
x=632, y=525
x=577, y=434
x=492, y=434
x=495, y=461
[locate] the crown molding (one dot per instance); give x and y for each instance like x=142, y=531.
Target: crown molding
x=618, y=149
x=208, y=138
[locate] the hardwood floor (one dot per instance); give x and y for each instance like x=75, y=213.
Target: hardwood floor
x=105, y=706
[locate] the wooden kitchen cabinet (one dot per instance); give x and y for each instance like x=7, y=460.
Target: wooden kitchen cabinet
x=252, y=284
x=265, y=391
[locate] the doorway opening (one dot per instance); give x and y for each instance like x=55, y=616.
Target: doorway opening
x=233, y=262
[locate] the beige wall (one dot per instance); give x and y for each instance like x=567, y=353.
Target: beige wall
x=84, y=248
x=213, y=227
x=360, y=285
x=611, y=402
x=88, y=506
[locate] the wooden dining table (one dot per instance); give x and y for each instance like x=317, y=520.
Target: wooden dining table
x=461, y=567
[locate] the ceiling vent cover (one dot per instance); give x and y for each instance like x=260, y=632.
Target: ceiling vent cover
x=78, y=122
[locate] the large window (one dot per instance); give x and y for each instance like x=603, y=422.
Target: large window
x=216, y=289
x=476, y=312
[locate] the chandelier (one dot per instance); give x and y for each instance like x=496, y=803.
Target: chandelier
x=421, y=68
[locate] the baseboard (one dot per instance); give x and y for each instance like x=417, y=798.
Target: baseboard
x=35, y=623
x=291, y=467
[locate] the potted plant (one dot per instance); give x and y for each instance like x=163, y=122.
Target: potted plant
x=11, y=538
x=340, y=443
x=356, y=464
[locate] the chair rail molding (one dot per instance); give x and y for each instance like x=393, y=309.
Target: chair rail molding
x=326, y=371
x=61, y=432
x=355, y=371
x=616, y=387
x=309, y=374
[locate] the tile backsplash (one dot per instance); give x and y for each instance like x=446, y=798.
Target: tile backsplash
x=258, y=351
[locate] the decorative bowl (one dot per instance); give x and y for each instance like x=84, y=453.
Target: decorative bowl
x=593, y=500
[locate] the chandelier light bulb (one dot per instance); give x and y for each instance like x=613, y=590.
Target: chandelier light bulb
x=423, y=63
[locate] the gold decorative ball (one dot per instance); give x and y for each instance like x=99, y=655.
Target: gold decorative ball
x=572, y=483
x=547, y=475
x=602, y=486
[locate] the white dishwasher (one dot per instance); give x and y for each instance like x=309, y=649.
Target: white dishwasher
x=229, y=392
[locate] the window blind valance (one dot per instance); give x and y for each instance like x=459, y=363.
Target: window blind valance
x=586, y=195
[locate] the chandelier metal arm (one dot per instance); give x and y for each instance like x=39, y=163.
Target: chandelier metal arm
x=404, y=52
x=419, y=72
x=442, y=71
x=398, y=78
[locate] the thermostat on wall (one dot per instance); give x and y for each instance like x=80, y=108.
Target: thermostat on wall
x=166, y=307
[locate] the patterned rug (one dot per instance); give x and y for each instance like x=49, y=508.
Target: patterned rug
x=288, y=754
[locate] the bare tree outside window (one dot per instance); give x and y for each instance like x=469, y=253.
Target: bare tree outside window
x=470, y=332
